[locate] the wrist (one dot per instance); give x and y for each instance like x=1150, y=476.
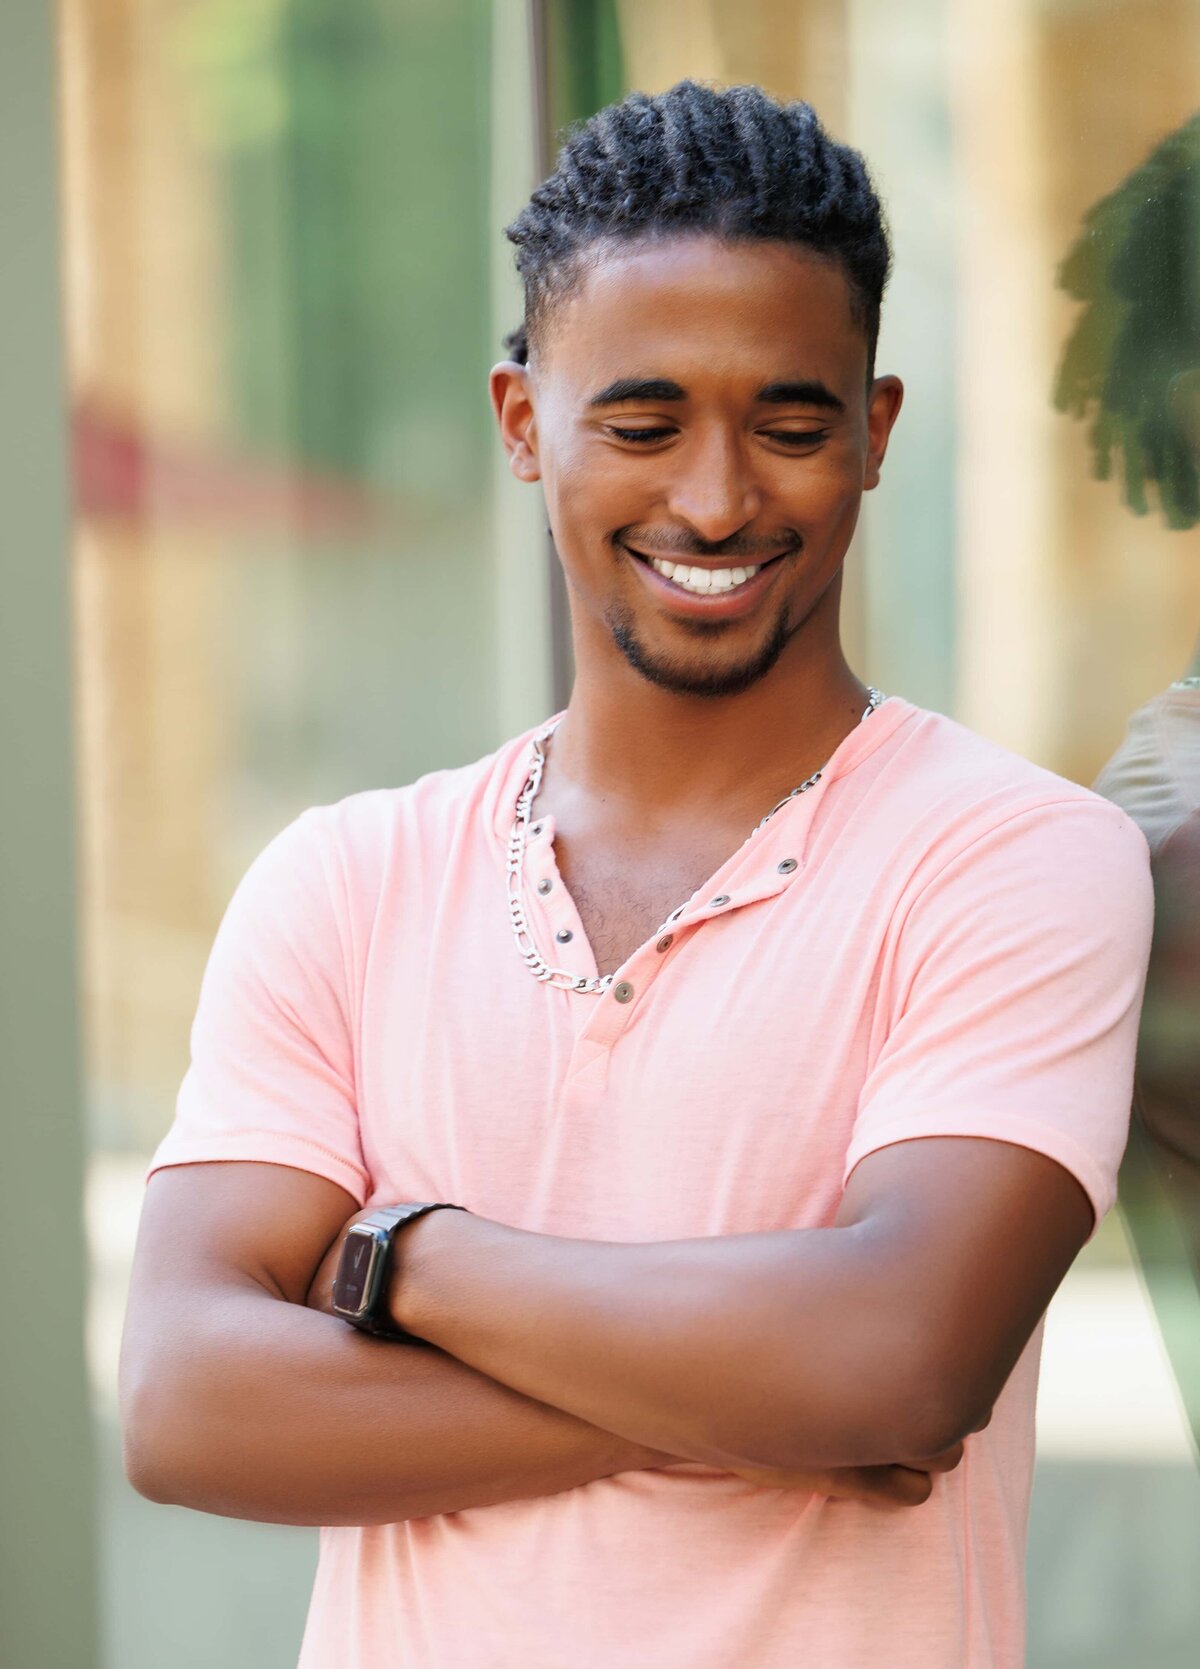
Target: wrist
x=418, y=1253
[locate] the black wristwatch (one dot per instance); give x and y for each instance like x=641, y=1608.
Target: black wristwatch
x=361, y=1284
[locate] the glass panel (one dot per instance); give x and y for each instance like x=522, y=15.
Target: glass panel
x=1030, y=566
x=298, y=568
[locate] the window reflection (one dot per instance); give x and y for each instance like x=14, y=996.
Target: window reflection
x=1131, y=372
x=282, y=229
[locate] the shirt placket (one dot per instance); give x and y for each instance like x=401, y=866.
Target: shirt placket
x=762, y=869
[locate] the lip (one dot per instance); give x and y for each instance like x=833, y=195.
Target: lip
x=723, y=605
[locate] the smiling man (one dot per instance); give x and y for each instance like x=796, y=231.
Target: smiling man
x=772, y=1036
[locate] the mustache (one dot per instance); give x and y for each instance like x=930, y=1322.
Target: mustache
x=670, y=542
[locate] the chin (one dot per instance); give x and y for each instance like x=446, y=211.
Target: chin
x=707, y=676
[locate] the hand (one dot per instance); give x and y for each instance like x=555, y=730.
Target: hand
x=887, y=1487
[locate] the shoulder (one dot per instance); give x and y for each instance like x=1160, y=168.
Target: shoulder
x=955, y=811
x=358, y=841
x=958, y=787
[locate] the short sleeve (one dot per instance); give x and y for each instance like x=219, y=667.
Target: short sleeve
x=1011, y=992
x=271, y=1076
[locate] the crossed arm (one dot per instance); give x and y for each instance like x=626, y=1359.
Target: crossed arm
x=886, y=1337
x=781, y=1356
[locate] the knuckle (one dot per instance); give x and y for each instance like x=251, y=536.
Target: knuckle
x=949, y=1458
x=921, y=1488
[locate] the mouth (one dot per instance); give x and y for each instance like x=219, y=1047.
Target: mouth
x=687, y=591
x=694, y=580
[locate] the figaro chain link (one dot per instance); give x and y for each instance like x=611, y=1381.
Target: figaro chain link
x=518, y=839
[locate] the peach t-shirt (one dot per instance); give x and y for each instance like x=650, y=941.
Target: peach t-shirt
x=938, y=939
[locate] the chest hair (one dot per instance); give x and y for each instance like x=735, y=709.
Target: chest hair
x=621, y=903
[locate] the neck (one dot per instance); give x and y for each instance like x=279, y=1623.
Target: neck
x=652, y=756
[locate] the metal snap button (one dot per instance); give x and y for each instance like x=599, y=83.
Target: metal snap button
x=623, y=991
x=545, y=884
x=787, y=866
x=721, y=898
x=564, y=935
x=665, y=943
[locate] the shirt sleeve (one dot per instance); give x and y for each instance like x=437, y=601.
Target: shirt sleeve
x=1011, y=991
x=271, y=1076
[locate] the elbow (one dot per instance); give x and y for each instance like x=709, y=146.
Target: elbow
x=902, y=1415
x=150, y=1446
x=936, y=1415
x=140, y=1452
x=144, y=1478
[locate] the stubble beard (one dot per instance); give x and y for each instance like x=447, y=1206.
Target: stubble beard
x=684, y=677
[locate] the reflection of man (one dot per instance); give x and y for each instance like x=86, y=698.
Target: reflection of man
x=778, y=1036
x=1133, y=366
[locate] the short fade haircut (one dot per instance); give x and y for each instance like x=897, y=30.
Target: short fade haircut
x=730, y=162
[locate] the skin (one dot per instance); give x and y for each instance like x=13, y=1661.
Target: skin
x=854, y=1360
x=649, y=767
x=680, y=733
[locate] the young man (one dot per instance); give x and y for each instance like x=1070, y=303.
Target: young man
x=775, y=1036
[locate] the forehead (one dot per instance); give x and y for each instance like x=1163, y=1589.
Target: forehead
x=751, y=311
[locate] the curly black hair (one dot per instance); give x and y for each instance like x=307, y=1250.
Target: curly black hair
x=732, y=162
x=1136, y=266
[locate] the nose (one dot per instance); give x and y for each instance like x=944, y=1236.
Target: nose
x=713, y=488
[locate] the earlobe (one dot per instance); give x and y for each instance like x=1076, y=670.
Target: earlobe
x=523, y=464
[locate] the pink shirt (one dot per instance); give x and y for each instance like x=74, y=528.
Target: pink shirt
x=938, y=939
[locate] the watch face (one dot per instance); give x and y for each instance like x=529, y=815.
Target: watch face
x=356, y=1277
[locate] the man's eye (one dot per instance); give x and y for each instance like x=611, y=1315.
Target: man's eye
x=639, y=434
x=797, y=437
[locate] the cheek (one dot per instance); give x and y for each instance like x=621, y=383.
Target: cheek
x=587, y=493
x=827, y=494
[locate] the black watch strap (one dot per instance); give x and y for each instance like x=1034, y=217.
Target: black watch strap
x=394, y=1218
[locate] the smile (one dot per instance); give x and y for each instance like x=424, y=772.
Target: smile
x=701, y=582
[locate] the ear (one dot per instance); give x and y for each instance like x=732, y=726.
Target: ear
x=510, y=388
x=883, y=407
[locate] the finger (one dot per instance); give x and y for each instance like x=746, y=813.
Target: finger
x=946, y=1461
x=886, y=1486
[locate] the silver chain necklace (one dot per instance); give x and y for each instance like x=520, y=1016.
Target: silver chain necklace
x=518, y=839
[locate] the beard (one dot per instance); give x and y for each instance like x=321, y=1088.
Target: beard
x=683, y=676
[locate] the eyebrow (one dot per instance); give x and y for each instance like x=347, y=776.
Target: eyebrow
x=807, y=393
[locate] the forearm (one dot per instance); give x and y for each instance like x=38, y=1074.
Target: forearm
x=261, y=1409
x=763, y=1349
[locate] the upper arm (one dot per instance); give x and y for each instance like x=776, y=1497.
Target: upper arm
x=208, y=1232
x=208, y=1224
x=973, y=1237
x=995, y=1106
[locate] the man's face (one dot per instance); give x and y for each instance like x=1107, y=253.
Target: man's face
x=704, y=405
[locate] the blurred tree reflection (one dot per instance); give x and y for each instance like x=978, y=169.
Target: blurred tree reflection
x=1133, y=359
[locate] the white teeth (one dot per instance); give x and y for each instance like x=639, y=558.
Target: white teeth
x=702, y=580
